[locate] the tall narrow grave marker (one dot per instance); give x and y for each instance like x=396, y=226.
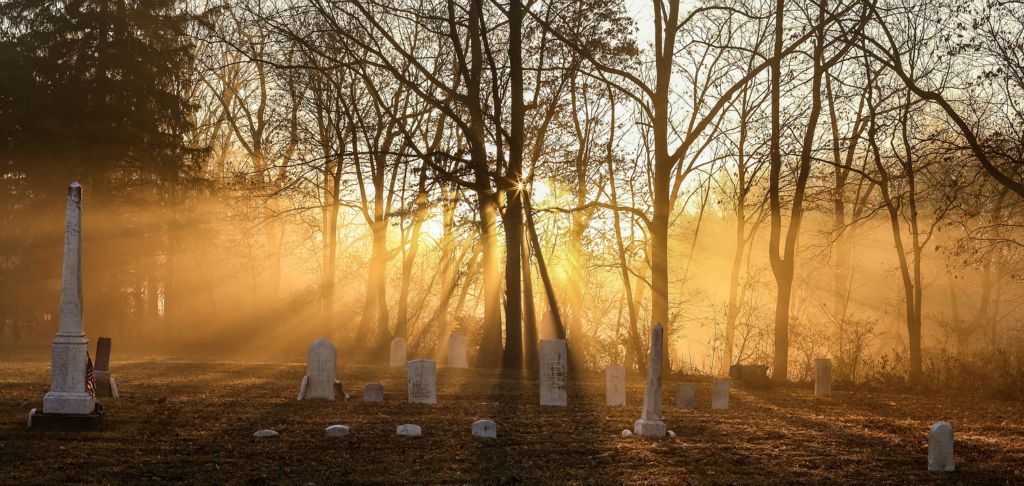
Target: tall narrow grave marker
x=650, y=424
x=553, y=367
x=69, y=403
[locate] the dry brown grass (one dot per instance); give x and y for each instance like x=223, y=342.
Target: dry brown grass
x=185, y=421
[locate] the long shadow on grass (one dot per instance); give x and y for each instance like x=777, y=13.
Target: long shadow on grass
x=894, y=438
x=201, y=439
x=819, y=445
x=538, y=444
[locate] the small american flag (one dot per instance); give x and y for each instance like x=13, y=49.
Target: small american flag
x=90, y=377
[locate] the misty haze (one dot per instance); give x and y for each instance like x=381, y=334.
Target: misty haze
x=497, y=241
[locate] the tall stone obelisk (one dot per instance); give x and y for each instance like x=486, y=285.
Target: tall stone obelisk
x=68, y=395
x=650, y=424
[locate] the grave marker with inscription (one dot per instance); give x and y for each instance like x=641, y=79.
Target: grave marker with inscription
x=553, y=367
x=321, y=376
x=422, y=377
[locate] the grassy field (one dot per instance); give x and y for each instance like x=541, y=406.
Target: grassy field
x=188, y=421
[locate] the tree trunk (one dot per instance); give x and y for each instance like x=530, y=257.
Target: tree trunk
x=530, y=338
x=549, y=290
x=633, y=347
x=733, y=312
x=780, y=268
x=419, y=214
x=909, y=292
x=490, y=342
x=783, y=266
x=665, y=53
x=513, y=355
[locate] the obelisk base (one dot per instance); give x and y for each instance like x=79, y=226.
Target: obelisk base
x=66, y=421
x=69, y=403
x=650, y=428
x=67, y=386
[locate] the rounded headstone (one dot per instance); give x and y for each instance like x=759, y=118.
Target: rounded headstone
x=321, y=375
x=940, y=448
x=627, y=433
x=485, y=428
x=373, y=392
x=336, y=431
x=411, y=430
x=264, y=433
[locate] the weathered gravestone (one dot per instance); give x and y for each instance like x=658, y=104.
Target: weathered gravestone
x=321, y=363
x=422, y=377
x=105, y=384
x=686, y=395
x=553, y=368
x=940, y=448
x=70, y=403
x=410, y=430
x=336, y=431
x=720, y=395
x=822, y=377
x=615, y=386
x=650, y=424
x=397, y=352
x=373, y=392
x=485, y=428
x=265, y=433
x=457, y=351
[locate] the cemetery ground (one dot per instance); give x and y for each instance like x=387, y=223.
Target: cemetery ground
x=192, y=421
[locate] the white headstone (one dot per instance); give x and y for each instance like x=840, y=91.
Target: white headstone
x=627, y=433
x=422, y=377
x=650, y=424
x=822, y=377
x=373, y=392
x=940, y=448
x=457, y=351
x=264, y=433
x=720, y=395
x=553, y=367
x=69, y=350
x=485, y=428
x=397, y=352
x=411, y=430
x=321, y=375
x=336, y=431
x=686, y=395
x=615, y=386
